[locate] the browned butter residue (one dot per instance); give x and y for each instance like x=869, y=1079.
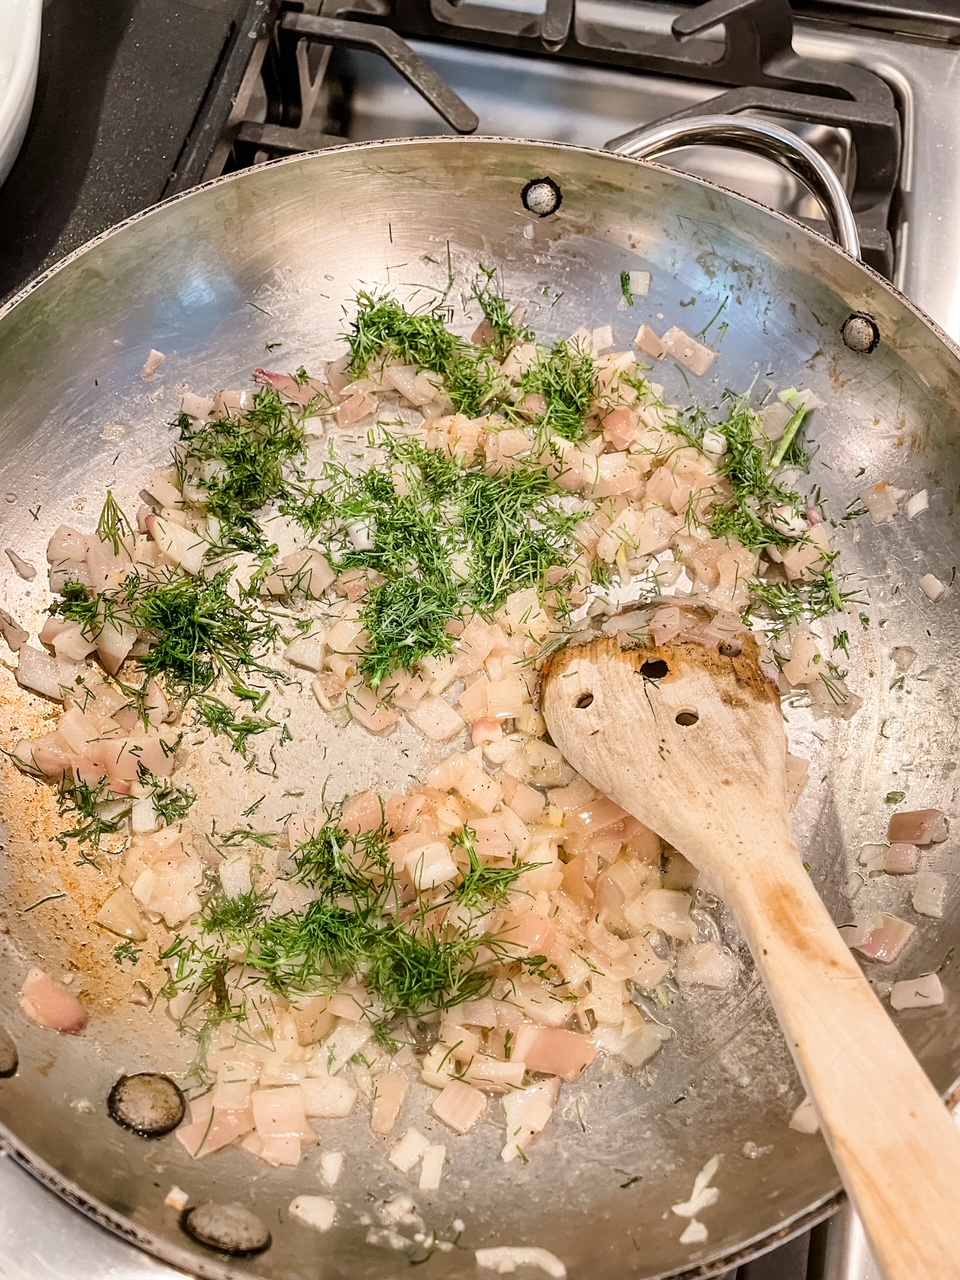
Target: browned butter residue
x=61, y=934
x=740, y=680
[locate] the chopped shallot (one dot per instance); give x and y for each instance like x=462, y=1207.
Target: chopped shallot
x=886, y=938
x=431, y=1167
x=920, y=826
x=932, y=587
x=505, y=1259
x=703, y=1194
x=917, y=993
x=48, y=1003
x=917, y=504
x=152, y=363
x=804, y=1119
x=930, y=894
x=405, y=1153
x=389, y=1093
x=331, y=1166
x=691, y=354
x=24, y=568
x=882, y=501
x=459, y=1106
x=318, y=1212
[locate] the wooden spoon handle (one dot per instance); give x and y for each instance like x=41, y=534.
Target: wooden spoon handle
x=894, y=1143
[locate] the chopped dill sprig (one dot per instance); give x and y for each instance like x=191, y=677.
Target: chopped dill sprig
x=484, y=886
x=625, y=288
x=499, y=315
x=95, y=811
x=382, y=324
x=126, y=951
x=172, y=804
x=565, y=376
x=113, y=526
x=781, y=603
x=237, y=729
x=453, y=540
x=240, y=464
x=196, y=630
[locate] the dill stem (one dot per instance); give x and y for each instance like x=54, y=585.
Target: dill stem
x=788, y=437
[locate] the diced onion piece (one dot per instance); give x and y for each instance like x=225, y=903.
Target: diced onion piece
x=919, y=502
x=553, y=1051
x=918, y=826
x=279, y=1113
x=687, y=351
x=459, y=1106
x=804, y=1119
x=649, y=343
x=640, y=283
x=901, y=859
x=886, y=939
x=505, y=1259
x=183, y=546
x=24, y=568
x=177, y=1198
x=152, y=363
x=410, y=1148
x=389, y=1093
x=431, y=1168
x=331, y=1166
x=347, y=1040
x=306, y=651
x=695, y=1232
x=704, y=964
x=703, y=1194
x=318, y=1212
x=327, y=1097
x=527, y=1112
x=882, y=501
x=121, y=915
x=40, y=672
x=932, y=587
x=930, y=894
x=436, y=719
x=917, y=993
x=431, y=864
x=49, y=1004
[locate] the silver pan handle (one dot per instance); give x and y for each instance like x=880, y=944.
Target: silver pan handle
x=765, y=139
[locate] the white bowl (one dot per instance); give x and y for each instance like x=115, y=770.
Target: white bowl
x=19, y=58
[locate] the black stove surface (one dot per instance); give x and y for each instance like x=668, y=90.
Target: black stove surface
x=119, y=87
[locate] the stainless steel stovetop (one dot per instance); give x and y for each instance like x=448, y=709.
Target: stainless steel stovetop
x=41, y=1237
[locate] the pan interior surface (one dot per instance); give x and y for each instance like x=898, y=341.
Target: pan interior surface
x=275, y=255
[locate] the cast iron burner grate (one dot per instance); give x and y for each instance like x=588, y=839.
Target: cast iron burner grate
x=755, y=66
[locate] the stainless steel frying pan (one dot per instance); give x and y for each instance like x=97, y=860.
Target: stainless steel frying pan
x=274, y=254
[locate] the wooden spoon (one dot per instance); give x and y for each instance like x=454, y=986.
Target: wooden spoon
x=691, y=742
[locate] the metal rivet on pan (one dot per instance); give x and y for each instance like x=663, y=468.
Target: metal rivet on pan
x=228, y=1227
x=860, y=332
x=9, y=1058
x=542, y=196
x=148, y=1103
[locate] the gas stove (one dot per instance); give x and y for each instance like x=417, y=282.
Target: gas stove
x=179, y=91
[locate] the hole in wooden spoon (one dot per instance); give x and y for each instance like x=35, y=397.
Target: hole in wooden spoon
x=687, y=718
x=654, y=669
x=585, y=700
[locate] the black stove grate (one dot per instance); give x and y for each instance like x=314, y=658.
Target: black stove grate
x=755, y=66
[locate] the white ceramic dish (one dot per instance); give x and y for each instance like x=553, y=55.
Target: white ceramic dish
x=19, y=58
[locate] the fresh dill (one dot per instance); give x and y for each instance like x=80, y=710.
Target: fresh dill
x=196, y=631
x=236, y=728
x=454, y=540
x=95, y=811
x=781, y=603
x=126, y=951
x=382, y=324
x=502, y=319
x=484, y=886
x=625, y=288
x=113, y=527
x=564, y=375
x=239, y=464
